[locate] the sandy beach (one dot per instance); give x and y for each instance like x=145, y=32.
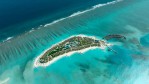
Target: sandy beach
x=37, y=64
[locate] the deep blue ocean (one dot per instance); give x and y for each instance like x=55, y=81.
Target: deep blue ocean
x=25, y=22
x=22, y=16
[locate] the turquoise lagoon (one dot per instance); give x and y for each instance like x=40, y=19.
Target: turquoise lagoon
x=128, y=66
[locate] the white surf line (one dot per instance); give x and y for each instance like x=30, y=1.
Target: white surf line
x=36, y=61
x=82, y=12
x=75, y=14
x=9, y=38
x=4, y=81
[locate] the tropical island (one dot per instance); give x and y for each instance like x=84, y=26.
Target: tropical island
x=73, y=44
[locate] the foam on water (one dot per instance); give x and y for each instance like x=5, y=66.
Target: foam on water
x=72, y=15
x=92, y=67
x=81, y=12
x=27, y=45
x=9, y=38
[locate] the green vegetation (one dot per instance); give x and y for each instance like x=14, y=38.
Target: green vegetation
x=71, y=44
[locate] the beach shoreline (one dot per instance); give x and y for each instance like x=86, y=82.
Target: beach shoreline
x=37, y=64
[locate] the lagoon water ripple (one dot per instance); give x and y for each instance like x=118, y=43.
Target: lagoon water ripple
x=128, y=18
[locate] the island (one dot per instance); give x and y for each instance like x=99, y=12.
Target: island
x=76, y=43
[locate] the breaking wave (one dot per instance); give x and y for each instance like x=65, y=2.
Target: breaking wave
x=32, y=43
x=82, y=12
x=9, y=38
x=72, y=15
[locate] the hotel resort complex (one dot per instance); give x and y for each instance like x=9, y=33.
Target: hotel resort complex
x=74, y=43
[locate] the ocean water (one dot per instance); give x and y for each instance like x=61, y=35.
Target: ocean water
x=128, y=66
x=22, y=16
